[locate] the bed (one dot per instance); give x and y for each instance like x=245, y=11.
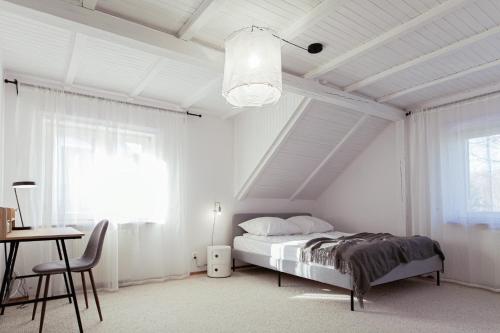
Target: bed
x=281, y=254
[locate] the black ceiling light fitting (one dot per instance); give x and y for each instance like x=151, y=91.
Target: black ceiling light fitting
x=315, y=48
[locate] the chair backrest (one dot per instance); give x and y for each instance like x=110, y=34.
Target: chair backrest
x=93, y=251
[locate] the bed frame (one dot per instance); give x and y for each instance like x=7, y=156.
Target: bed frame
x=322, y=273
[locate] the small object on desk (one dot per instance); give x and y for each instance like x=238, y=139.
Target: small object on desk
x=7, y=216
x=219, y=261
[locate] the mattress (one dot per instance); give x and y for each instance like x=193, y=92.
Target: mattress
x=279, y=247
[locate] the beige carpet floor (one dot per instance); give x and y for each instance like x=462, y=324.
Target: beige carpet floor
x=250, y=301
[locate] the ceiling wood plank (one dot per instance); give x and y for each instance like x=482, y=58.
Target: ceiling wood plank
x=457, y=97
x=453, y=76
x=200, y=17
x=270, y=153
x=387, y=37
x=148, y=76
x=120, y=31
x=317, y=14
x=89, y=4
x=199, y=94
x=422, y=59
x=329, y=156
x=74, y=60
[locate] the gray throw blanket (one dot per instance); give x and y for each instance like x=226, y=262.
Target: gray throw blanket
x=367, y=256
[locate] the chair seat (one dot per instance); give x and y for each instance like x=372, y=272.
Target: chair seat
x=56, y=267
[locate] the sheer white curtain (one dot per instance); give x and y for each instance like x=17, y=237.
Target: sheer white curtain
x=454, y=167
x=97, y=159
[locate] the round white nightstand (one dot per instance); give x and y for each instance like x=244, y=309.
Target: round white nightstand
x=219, y=261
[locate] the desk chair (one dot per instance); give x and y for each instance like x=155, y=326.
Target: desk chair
x=85, y=263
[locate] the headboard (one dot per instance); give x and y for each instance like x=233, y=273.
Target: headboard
x=239, y=218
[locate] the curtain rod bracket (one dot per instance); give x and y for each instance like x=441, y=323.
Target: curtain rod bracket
x=193, y=114
x=13, y=82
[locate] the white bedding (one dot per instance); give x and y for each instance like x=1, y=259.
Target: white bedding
x=279, y=247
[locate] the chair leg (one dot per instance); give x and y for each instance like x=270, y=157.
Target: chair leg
x=44, y=304
x=40, y=278
x=95, y=294
x=84, y=290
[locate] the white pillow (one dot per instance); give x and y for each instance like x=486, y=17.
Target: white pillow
x=270, y=226
x=310, y=225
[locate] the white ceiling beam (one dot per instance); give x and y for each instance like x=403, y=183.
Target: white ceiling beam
x=94, y=23
x=199, y=94
x=340, y=98
x=200, y=17
x=150, y=73
x=443, y=79
x=120, y=31
x=271, y=152
x=318, y=13
x=75, y=57
x=89, y=4
x=422, y=59
x=336, y=148
x=387, y=37
x=457, y=97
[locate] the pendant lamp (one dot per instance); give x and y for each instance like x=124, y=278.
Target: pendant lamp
x=252, y=68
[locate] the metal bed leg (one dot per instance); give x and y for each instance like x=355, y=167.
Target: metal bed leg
x=279, y=279
x=438, y=278
x=352, y=300
x=234, y=264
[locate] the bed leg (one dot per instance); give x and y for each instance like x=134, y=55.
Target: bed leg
x=279, y=279
x=234, y=265
x=438, y=278
x=352, y=300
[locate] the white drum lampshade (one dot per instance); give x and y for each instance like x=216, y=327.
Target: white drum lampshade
x=252, y=68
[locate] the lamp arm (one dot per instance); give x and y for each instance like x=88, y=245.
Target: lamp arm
x=19, y=207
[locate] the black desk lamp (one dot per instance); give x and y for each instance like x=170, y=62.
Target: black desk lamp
x=22, y=184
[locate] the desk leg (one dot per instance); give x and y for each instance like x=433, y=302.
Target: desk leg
x=6, y=273
x=64, y=274
x=71, y=285
x=15, y=247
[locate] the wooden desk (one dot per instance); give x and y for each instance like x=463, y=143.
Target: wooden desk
x=16, y=237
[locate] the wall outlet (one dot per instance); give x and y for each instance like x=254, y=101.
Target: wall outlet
x=194, y=255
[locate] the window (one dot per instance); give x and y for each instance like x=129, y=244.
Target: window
x=484, y=175
x=109, y=172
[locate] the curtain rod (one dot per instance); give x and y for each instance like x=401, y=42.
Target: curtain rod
x=17, y=83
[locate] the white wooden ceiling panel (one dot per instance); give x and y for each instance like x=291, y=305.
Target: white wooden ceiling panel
x=111, y=66
x=163, y=15
x=214, y=102
x=34, y=48
x=468, y=82
x=483, y=52
x=176, y=81
x=238, y=14
x=312, y=139
x=343, y=156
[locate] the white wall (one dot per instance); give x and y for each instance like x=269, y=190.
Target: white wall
x=368, y=195
x=208, y=172
x=254, y=132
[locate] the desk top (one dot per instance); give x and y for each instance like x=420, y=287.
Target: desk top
x=43, y=234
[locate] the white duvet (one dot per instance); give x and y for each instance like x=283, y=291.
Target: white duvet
x=279, y=247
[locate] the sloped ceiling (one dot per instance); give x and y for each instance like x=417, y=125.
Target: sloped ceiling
x=320, y=145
